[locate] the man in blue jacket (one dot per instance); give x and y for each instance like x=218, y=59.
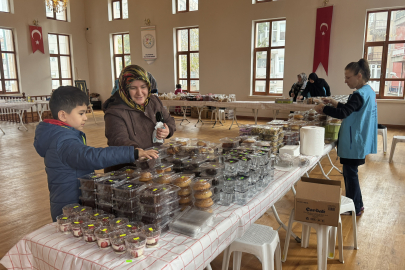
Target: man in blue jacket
x=62, y=144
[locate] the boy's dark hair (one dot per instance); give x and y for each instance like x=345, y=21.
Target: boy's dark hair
x=66, y=98
x=361, y=67
x=178, y=86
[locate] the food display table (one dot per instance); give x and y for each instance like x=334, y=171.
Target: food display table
x=46, y=248
x=20, y=107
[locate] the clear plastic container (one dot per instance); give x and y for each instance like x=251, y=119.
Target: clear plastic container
x=242, y=183
x=145, y=164
x=152, y=233
x=88, y=194
x=186, y=191
x=104, y=187
x=231, y=165
x=245, y=130
x=135, y=244
x=164, y=168
x=68, y=209
x=165, y=178
x=203, y=194
x=160, y=209
x=119, y=222
x=172, y=148
x=200, y=184
x=262, y=143
x=88, y=181
x=183, y=180
x=95, y=213
x=192, y=164
x=117, y=240
x=128, y=190
x=162, y=149
x=157, y=194
x=212, y=168
x=181, y=141
x=157, y=219
x=102, y=235
x=191, y=222
x=229, y=142
x=241, y=197
x=88, y=202
x=104, y=198
x=76, y=225
x=130, y=215
x=88, y=229
x=190, y=150
x=130, y=171
x=135, y=227
x=105, y=207
x=226, y=198
x=198, y=142
x=104, y=219
x=64, y=224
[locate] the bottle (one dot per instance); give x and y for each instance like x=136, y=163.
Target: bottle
x=28, y=98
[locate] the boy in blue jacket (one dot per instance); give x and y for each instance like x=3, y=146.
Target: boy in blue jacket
x=62, y=144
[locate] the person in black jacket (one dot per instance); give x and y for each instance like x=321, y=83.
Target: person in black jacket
x=317, y=87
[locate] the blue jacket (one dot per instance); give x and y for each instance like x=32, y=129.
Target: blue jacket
x=67, y=157
x=358, y=132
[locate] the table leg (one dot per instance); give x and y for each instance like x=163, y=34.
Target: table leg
x=320, y=166
x=282, y=225
x=20, y=114
x=333, y=166
x=40, y=111
x=184, y=109
x=255, y=113
x=217, y=116
x=234, y=118
x=199, y=110
x=275, y=114
x=3, y=131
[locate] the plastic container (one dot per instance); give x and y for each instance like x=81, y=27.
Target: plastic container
x=104, y=187
x=165, y=178
x=172, y=148
x=145, y=164
x=102, y=236
x=183, y=180
x=94, y=214
x=135, y=244
x=135, y=227
x=105, y=207
x=190, y=150
x=162, y=149
x=128, y=190
x=152, y=233
x=88, y=202
x=68, y=209
x=88, y=229
x=119, y=222
x=157, y=194
x=117, y=240
x=241, y=197
x=89, y=194
x=229, y=142
x=64, y=224
x=88, y=181
x=198, y=142
x=76, y=225
x=160, y=209
x=231, y=165
x=212, y=168
x=192, y=164
x=245, y=130
x=191, y=222
x=181, y=141
x=203, y=194
x=200, y=184
x=105, y=219
x=104, y=198
x=130, y=215
x=164, y=168
x=226, y=198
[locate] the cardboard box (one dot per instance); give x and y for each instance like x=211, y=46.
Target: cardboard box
x=318, y=201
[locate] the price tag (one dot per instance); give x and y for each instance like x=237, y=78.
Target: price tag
x=130, y=186
x=76, y=206
x=137, y=238
x=64, y=218
x=118, y=221
x=90, y=225
x=155, y=189
x=122, y=235
x=128, y=261
x=103, y=230
x=150, y=229
x=76, y=222
x=96, y=214
x=129, y=226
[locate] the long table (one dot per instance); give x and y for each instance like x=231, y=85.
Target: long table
x=46, y=248
x=255, y=106
x=20, y=107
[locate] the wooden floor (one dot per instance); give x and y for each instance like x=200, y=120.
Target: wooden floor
x=24, y=201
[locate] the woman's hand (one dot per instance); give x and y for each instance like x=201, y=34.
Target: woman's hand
x=162, y=133
x=149, y=154
x=292, y=94
x=331, y=101
x=319, y=108
x=299, y=97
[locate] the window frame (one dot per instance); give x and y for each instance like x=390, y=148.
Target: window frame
x=121, y=10
x=2, y=78
x=54, y=15
x=385, y=45
x=268, y=60
x=58, y=55
x=188, y=52
x=9, y=9
x=120, y=55
x=264, y=1
x=187, y=7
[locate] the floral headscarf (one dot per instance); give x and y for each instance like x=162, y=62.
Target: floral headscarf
x=127, y=76
x=303, y=78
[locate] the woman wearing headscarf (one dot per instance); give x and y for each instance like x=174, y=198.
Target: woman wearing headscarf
x=298, y=86
x=317, y=87
x=130, y=114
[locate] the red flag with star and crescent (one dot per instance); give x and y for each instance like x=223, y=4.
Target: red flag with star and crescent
x=37, y=41
x=322, y=37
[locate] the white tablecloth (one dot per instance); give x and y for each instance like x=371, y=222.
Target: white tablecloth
x=17, y=105
x=47, y=249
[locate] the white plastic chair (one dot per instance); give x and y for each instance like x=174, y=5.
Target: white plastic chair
x=259, y=240
x=221, y=117
x=322, y=233
x=383, y=132
x=346, y=205
x=395, y=140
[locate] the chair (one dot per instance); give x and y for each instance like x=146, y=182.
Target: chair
x=221, y=115
x=395, y=140
x=322, y=233
x=259, y=240
x=91, y=109
x=382, y=130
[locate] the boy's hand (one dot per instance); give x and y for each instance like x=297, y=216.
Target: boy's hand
x=162, y=133
x=149, y=154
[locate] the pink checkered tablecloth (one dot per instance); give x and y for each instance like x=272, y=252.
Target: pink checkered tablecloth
x=46, y=248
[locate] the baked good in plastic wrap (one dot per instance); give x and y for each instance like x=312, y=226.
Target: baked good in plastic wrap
x=191, y=164
x=104, y=198
x=198, y=142
x=157, y=194
x=64, y=224
x=245, y=130
x=173, y=148
x=88, y=229
x=117, y=240
x=183, y=180
x=191, y=222
x=126, y=205
x=190, y=150
x=88, y=181
x=204, y=204
x=135, y=227
x=200, y=184
x=160, y=209
x=128, y=189
x=145, y=164
x=105, y=186
x=212, y=168
x=130, y=215
x=88, y=193
x=165, y=178
x=68, y=209
x=82, y=210
x=105, y=218
x=102, y=236
x=158, y=219
x=76, y=225
x=105, y=207
x=135, y=244
x=229, y=142
x=181, y=141
x=152, y=233
x=119, y=222
x=164, y=168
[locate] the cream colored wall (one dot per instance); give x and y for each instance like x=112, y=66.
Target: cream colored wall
x=34, y=68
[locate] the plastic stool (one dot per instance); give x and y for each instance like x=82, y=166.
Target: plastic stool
x=346, y=205
x=259, y=240
x=322, y=233
x=383, y=132
x=395, y=140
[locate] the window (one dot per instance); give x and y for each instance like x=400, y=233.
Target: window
x=188, y=59
x=4, y=6
x=262, y=1
x=119, y=9
x=121, y=52
x=384, y=48
x=59, y=16
x=8, y=65
x=60, y=59
x=268, y=58
x=186, y=5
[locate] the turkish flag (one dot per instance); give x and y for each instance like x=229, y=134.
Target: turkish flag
x=322, y=37
x=37, y=41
